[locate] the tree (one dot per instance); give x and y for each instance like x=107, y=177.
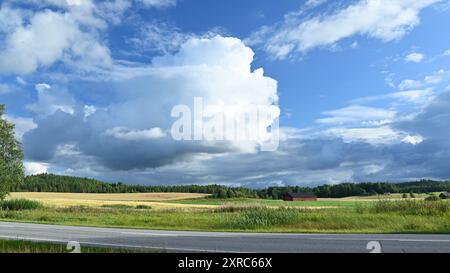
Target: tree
x=11, y=156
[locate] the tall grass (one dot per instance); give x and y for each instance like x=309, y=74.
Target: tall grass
x=257, y=217
x=407, y=207
x=20, y=204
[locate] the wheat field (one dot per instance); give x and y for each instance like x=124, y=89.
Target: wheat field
x=154, y=200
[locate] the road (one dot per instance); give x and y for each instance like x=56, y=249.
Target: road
x=187, y=241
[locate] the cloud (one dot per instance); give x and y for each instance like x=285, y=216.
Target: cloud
x=158, y=3
x=5, y=88
x=410, y=84
x=386, y=20
x=51, y=100
x=420, y=150
x=22, y=125
x=34, y=168
x=418, y=97
x=414, y=57
x=160, y=38
x=429, y=80
x=44, y=37
x=130, y=131
x=135, y=135
x=357, y=114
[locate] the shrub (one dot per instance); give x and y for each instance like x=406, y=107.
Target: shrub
x=20, y=204
x=432, y=198
x=412, y=195
x=143, y=207
x=404, y=195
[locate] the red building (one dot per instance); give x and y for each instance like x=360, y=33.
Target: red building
x=300, y=196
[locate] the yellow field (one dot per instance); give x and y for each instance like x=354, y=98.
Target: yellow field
x=154, y=200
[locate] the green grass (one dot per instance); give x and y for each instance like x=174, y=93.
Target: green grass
x=19, y=204
x=268, y=202
x=368, y=217
x=19, y=246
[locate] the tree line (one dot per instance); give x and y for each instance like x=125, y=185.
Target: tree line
x=57, y=183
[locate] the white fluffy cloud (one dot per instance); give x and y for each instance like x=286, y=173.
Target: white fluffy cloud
x=134, y=126
x=46, y=37
x=414, y=57
x=385, y=20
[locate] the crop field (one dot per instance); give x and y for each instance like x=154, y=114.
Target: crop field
x=200, y=213
x=154, y=200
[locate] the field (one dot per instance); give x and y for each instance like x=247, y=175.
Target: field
x=155, y=200
x=197, y=212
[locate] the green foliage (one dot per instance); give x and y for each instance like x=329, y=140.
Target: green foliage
x=143, y=207
x=433, y=198
x=412, y=195
x=410, y=207
x=265, y=217
x=11, y=156
x=404, y=195
x=56, y=183
x=20, y=204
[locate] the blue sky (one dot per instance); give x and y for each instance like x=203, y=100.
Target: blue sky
x=362, y=87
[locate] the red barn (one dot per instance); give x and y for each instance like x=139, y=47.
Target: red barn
x=300, y=196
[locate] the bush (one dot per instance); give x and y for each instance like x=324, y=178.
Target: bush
x=433, y=198
x=412, y=195
x=143, y=207
x=20, y=204
x=404, y=195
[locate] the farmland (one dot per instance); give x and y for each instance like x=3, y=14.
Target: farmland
x=174, y=211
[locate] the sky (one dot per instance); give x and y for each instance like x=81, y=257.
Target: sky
x=360, y=88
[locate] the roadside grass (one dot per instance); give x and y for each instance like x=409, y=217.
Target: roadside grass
x=20, y=246
x=19, y=204
x=368, y=217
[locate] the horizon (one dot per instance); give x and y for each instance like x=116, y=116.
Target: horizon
x=254, y=94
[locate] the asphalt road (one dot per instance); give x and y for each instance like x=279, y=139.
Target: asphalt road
x=186, y=241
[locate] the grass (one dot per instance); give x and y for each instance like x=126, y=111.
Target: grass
x=19, y=204
x=19, y=246
x=383, y=217
x=347, y=215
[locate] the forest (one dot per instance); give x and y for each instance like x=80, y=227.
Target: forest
x=57, y=183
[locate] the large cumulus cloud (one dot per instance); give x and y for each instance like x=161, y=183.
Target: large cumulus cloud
x=133, y=130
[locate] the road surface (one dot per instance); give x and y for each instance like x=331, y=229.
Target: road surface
x=186, y=241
